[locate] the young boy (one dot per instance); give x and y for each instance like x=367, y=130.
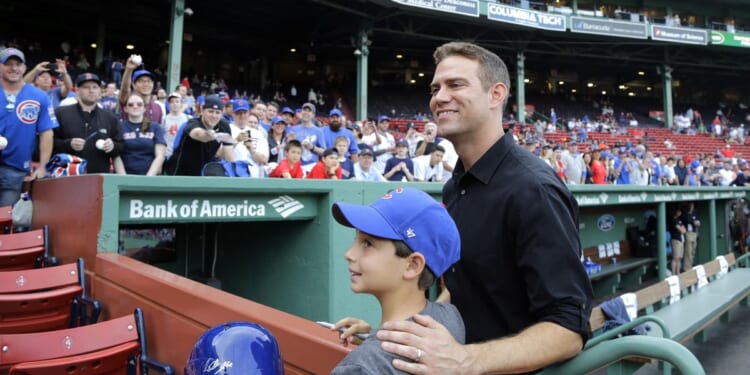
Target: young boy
x=400, y=167
x=341, y=143
x=403, y=243
x=290, y=167
x=328, y=167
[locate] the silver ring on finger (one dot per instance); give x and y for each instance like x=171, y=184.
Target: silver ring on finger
x=419, y=355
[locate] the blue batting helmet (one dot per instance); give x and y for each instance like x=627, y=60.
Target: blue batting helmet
x=235, y=348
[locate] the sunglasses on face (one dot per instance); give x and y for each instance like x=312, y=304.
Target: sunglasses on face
x=135, y=104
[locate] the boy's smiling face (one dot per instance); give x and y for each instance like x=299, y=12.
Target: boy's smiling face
x=373, y=264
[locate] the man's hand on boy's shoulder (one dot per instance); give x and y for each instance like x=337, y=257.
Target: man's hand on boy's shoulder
x=429, y=343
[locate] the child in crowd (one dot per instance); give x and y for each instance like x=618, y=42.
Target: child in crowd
x=347, y=166
x=400, y=167
x=290, y=167
x=403, y=242
x=172, y=121
x=328, y=167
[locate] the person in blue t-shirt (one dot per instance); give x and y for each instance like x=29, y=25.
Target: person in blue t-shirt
x=336, y=129
x=145, y=147
x=310, y=136
x=25, y=112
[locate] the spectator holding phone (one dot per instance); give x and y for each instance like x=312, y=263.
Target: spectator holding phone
x=41, y=77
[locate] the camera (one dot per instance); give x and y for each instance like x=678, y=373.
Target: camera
x=52, y=68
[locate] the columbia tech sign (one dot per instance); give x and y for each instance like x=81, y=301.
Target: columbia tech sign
x=158, y=209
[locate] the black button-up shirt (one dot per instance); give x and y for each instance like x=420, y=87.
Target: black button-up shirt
x=520, y=250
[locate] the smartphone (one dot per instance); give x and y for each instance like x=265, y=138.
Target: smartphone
x=362, y=336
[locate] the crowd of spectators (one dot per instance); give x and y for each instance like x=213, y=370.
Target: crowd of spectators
x=267, y=134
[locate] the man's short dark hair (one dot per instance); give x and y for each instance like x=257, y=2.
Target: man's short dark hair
x=426, y=278
x=492, y=69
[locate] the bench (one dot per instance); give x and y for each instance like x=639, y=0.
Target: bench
x=620, y=268
x=115, y=346
x=689, y=316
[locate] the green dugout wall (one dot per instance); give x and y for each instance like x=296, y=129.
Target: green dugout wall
x=275, y=242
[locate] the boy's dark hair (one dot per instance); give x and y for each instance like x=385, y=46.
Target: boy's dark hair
x=273, y=104
x=426, y=278
x=292, y=143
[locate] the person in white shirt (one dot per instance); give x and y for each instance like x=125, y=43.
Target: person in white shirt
x=450, y=158
x=384, y=144
x=173, y=120
x=727, y=174
x=364, y=170
x=251, y=146
x=413, y=138
x=429, y=168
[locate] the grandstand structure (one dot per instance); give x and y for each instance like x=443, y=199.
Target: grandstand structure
x=597, y=51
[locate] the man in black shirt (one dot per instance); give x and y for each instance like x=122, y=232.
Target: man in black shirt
x=86, y=130
x=201, y=140
x=520, y=287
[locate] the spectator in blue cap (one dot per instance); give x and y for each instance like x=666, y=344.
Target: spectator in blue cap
x=336, y=128
x=277, y=139
x=252, y=144
x=142, y=82
x=27, y=120
x=404, y=241
x=288, y=115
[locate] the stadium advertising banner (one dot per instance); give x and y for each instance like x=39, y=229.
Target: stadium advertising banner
x=524, y=17
x=679, y=35
x=601, y=199
x=729, y=39
x=172, y=209
x=608, y=27
x=461, y=7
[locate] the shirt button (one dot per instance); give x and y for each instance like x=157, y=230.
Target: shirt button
x=463, y=191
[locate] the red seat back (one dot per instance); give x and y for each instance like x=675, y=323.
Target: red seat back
x=22, y=250
x=40, y=299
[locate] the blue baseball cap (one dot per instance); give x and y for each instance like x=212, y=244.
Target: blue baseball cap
x=240, y=105
x=140, y=73
x=278, y=119
x=287, y=110
x=409, y=215
x=384, y=118
x=335, y=112
x=7, y=53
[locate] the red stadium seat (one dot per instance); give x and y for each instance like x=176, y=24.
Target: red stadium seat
x=25, y=250
x=6, y=219
x=45, y=299
x=116, y=346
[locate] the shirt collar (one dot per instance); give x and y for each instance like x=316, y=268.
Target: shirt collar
x=486, y=166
